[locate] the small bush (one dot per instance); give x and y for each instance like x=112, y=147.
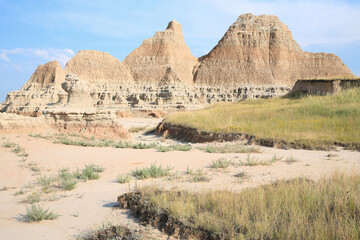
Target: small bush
x=17, y=149
x=64, y=173
x=36, y=213
x=68, y=184
x=153, y=172
x=89, y=174
x=290, y=160
x=45, y=182
x=95, y=168
x=251, y=162
x=33, y=198
x=220, y=163
x=20, y=192
x=275, y=158
x=143, y=145
x=24, y=154
x=199, y=176
x=33, y=166
x=189, y=170
x=123, y=178
x=122, y=145
x=8, y=144
x=164, y=148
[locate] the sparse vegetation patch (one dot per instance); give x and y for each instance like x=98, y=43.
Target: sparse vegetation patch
x=220, y=163
x=286, y=209
x=175, y=147
x=230, y=148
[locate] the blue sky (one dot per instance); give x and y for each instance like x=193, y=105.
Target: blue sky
x=35, y=32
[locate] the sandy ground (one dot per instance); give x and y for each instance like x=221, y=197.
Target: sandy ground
x=90, y=204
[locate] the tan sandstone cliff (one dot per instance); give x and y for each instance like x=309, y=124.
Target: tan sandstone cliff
x=260, y=50
x=156, y=55
x=99, y=68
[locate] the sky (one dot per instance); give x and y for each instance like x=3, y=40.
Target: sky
x=38, y=31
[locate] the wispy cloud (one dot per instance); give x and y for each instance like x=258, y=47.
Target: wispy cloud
x=49, y=54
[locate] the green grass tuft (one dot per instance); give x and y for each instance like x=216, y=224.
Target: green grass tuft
x=123, y=178
x=153, y=171
x=8, y=144
x=36, y=213
x=220, y=163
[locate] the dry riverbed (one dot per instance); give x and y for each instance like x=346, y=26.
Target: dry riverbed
x=90, y=204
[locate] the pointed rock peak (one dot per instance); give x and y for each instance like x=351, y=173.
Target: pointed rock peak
x=174, y=25
x=253, y=19
x=54, y=63
x=46, y=75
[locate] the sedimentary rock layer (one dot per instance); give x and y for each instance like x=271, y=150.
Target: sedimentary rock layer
x=166, y=51
x=98, y=68
x=258, y=50
x=48, y=75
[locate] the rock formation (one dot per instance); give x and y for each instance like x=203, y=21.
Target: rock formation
x=48, y=75
x=99, y=68
x=260, y=50
x=167, y=49
x=78, y=92
x=256, y=58
x=324, y=86
x=11, y=123
x=41, y=90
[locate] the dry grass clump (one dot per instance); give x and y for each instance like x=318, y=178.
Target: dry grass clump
x=197, y=175
x=174, y=147
x=230, y=148
x=8, y=144
x=134, y=145
x=295, y=209
x=124, y=178
x=316, y=121
x=77, y=140
x=251, y=161
x=136, y=129
x=220, y=163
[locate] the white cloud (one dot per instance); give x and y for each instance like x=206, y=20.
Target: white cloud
x=49, y=54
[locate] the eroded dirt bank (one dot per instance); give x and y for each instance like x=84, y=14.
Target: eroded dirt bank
x=193, y=135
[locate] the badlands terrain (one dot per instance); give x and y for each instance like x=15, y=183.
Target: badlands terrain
x=148, y=147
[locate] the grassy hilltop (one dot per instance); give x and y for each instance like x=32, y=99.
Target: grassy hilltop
x=312, y=120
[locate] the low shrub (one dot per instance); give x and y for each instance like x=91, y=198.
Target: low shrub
x=36, y=213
